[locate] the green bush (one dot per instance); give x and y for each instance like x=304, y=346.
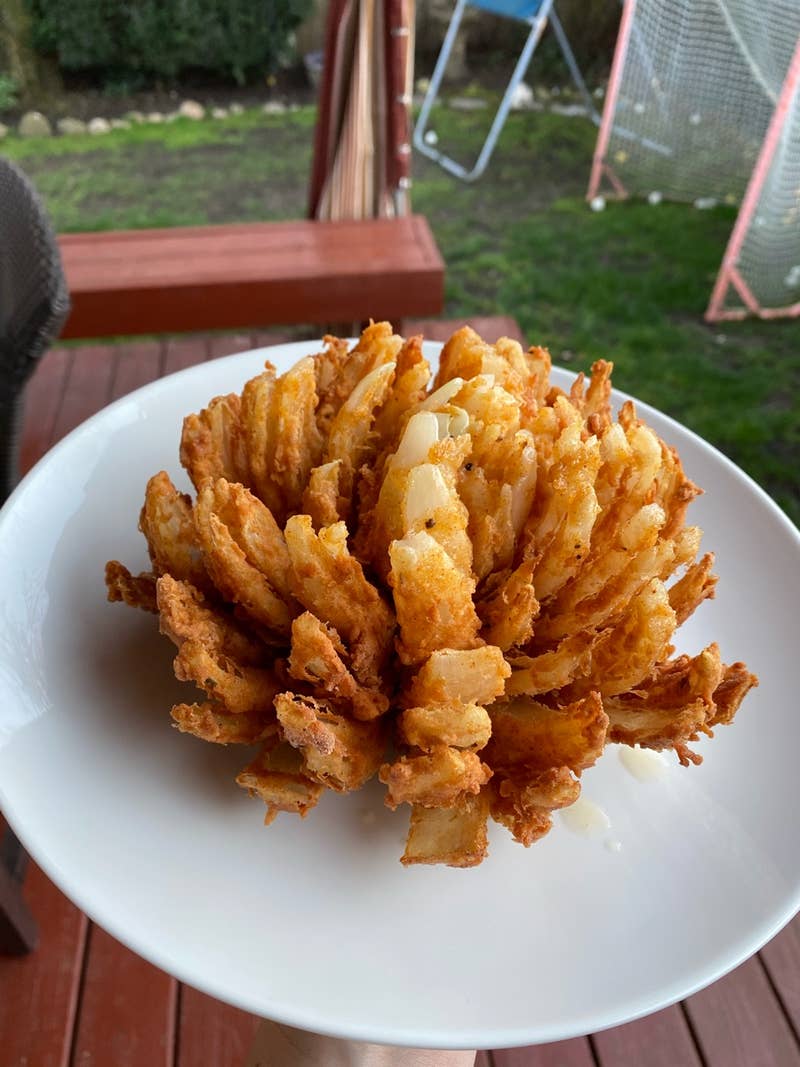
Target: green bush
x=161, y=39
x=8, y=92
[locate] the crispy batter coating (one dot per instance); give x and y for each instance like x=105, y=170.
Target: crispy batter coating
x=350, y=443
x=236, y=687
x=260, y=436
x=419, y=564
x=468, y=586
x=254, y=529
x=135, y=590
x=337, y=752
x=322, y=499
x=167, y=523
x=570, y=660
x=524, y=804
x=470, y=676
x=594, y=403
x=465, y=355
x=237, y=554
x=419, y=491
x=459, y=725
x=436, y=779
x=316, y=658
x=212, y=442
x=211, y=723
x=276, y=775
x=529, y=734
x=298, y=442
x=330, y=583
x=455, y=836
x=184, y=615
x=678, y=701
x=339, y=371
x=412, y=377
x=498, y=484
x=736, y=683
x=689, y=592
x=561, y=536
x=626, y=654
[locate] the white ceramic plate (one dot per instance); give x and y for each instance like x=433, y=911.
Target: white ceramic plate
x=316, y=924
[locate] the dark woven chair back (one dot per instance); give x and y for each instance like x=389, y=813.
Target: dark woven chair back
x=33, y=304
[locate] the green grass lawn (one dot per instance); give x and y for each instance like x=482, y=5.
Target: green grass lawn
x=630, y=283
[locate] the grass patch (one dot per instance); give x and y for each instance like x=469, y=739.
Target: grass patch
x=630, y=283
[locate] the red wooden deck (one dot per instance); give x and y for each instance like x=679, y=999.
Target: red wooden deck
x=82, y=1000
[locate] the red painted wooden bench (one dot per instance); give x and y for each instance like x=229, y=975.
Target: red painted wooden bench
x=251, y=275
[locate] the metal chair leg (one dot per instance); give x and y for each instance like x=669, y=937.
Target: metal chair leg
x=537, y=24
x=421, y=127
x=574, y=69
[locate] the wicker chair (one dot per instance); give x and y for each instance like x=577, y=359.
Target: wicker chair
x=33, y=306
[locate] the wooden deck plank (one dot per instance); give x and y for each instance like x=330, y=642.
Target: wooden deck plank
x=136, y=364
x=87, y=387
x=183, y=352
x=228, y=344
x=574, y=1053
x=738, y=1022
x=483, y=1059
x=264, y=338
x=44, y=394
x=211, y=1032
x=781, y=958
x=490, y=328
x=660, y=1040
x=39, y=992
x=127, y=1009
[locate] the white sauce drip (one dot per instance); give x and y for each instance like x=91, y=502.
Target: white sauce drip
x=584, y=817
x=642, y=763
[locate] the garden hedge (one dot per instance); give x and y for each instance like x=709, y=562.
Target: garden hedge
x=146, y=40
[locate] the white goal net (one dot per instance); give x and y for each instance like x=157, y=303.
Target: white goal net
x=694, y=91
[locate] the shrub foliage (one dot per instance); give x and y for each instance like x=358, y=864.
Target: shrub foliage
x=154, y=39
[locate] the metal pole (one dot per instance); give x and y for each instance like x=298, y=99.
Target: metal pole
x=574, y=69
x=537, y=28
x=436, y=81
x=728, y=272
x=620, y=52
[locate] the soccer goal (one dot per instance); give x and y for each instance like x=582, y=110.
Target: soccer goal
x=703, y=106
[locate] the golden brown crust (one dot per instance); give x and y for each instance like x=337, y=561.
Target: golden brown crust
x=337, y=752
x=212, y=443
x=455, y=836
x=135, y=590
x=531, y=735
x=277, y=777
x=210, y=722
x=435, y=779
x=524, y=805
x=167, y=523
x=471, y=585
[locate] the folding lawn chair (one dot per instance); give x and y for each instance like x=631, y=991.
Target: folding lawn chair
x=536, y=14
